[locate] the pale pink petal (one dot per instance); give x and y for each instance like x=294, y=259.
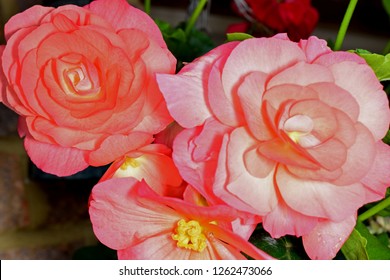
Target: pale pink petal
x=158, y=247
x=319, y=199
x=220, y=250
x=256, y=164
x=360, y=157
x=28, y=18
x=365, y=87
x=238, y=242
x=158, y=171
x=378, y=178
x=42, y=129
x=330, y=58
x=275, y=55
x=277, y=96
x=314, y=47
x=57, y=160
x=251, y=93
x=302, y=74
x=226, y=110
x=331, y=154
x=283, y=220
x=195, y=152
x=154, y=113
x=286, y=153
x=327, y=238
x=185, y=100
x=124, y=16
x=115, y=146
x=116, y=214
x=157, y=59
x=338, y=98
x=235, y=185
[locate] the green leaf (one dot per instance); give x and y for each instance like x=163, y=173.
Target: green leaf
x=284, y=248
x=361, y=244
x=238, y=36
x=379, y=63
x=386, y=5
x=185, y=47
x=355, y=247
x=386, y=139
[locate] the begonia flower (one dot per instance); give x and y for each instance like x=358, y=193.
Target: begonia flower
x=154, y=165
x=82, y=80
x=129, y=217
x=287, y=131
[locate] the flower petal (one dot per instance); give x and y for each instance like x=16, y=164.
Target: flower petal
x=60, y=161
x=327, y=237
x=283, y=220
x=116, y=214
x=319, y=199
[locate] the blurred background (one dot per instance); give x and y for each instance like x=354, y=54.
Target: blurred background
x=45, y=217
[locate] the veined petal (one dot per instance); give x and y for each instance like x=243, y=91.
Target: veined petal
x=116, y=215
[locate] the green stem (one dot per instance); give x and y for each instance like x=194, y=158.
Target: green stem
x=147, y=6
x=344, y=24
x=194, y=17
x=375, y=209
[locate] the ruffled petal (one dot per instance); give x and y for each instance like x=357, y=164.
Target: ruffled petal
x=284, y=220
x=60, y=161
x=319, y=199
x=124, y=16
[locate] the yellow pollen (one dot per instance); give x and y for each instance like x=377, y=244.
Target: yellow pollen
x=130, y=162
x=189, y=235
x=295, y=135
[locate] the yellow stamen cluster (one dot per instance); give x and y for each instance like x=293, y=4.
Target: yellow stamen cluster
x=189, y=235
x=130, y=162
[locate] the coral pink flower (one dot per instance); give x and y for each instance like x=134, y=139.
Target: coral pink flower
x=129, y=217
x=287, y=131
x=82, y=80
x=152, y=163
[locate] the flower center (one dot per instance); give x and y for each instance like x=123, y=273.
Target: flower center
x=189, y=235
x=299, y=129
x=130, y=162
x=79, y=76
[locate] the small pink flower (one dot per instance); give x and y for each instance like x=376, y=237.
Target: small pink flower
x=129, y=217
x=152, y=163
x=287, y=131
x=82, y=80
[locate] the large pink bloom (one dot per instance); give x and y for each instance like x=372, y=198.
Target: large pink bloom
x=129, y=217
x=82, y=80
x=287, y=131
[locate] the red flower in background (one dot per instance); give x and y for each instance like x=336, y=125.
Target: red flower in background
x=296, y=17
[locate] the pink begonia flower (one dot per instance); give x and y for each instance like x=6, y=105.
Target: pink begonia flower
x=152, y=163
x=129, y=217
x=287, y=131
x=82, y=80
